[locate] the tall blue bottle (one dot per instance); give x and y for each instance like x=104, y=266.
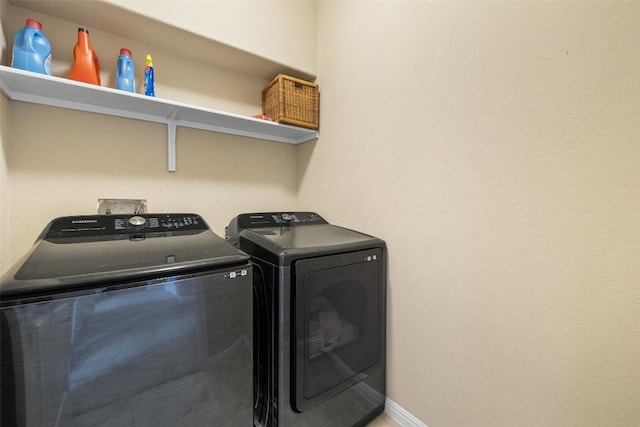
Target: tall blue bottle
x=149, y=78
x=31, y=49
x=125, y=71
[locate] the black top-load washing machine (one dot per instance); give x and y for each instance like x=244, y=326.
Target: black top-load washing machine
x=319, y=319
x=128, y=321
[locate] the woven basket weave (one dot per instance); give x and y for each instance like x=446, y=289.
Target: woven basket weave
x=291, y=101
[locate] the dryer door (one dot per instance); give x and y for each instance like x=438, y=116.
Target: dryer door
x=337, y=324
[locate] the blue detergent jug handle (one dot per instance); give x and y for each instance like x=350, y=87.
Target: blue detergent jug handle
x=31, y=29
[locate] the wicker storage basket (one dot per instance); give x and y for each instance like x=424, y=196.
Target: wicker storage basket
x=291, y=101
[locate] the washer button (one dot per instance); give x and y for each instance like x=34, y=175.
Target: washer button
x=137, y=221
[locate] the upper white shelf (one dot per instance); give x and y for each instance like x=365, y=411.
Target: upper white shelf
x=20, y=85
x=124, y=19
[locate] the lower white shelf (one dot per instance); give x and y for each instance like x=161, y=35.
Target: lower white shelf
x=20, y=85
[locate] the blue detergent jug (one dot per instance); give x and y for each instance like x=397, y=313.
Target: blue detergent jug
x=31, y=49
x=125, y=71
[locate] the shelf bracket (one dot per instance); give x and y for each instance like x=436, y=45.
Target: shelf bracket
x=171, y=142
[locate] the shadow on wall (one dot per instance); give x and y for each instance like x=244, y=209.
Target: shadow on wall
x=206, y=155
x=4, y=131
x=82, y=143
x=304, y=153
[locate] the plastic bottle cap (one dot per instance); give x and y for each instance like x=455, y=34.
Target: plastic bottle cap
x=125, y=51
x=149, y=61
x=34, y=24
x=83, y=30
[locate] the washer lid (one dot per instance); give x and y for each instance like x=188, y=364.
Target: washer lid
x=86, y=250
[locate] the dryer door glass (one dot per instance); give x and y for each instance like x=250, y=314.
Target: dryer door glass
x=337, y=323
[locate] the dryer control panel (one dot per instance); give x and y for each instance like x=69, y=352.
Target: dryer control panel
x=258, y=220
x=278, y=219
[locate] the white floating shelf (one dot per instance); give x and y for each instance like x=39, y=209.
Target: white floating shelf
x=20, y=85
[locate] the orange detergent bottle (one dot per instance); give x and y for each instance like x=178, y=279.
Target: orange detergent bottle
x=86, y=67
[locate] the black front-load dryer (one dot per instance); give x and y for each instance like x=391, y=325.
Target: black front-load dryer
x=319, y=320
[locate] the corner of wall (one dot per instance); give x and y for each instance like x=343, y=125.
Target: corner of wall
x=5, y=56
x=4, y=193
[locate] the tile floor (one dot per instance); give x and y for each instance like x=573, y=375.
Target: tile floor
x=383, y=420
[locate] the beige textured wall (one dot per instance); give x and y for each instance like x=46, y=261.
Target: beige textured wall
x=281, y=30
x=496, y=147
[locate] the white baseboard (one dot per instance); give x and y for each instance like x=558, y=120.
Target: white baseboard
x=401, y=415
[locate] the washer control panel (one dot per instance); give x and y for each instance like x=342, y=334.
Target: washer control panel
x=279, y=219
x=116, y=225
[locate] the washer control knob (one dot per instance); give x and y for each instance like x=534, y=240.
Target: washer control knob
x=286, y=217
x=137, y=221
